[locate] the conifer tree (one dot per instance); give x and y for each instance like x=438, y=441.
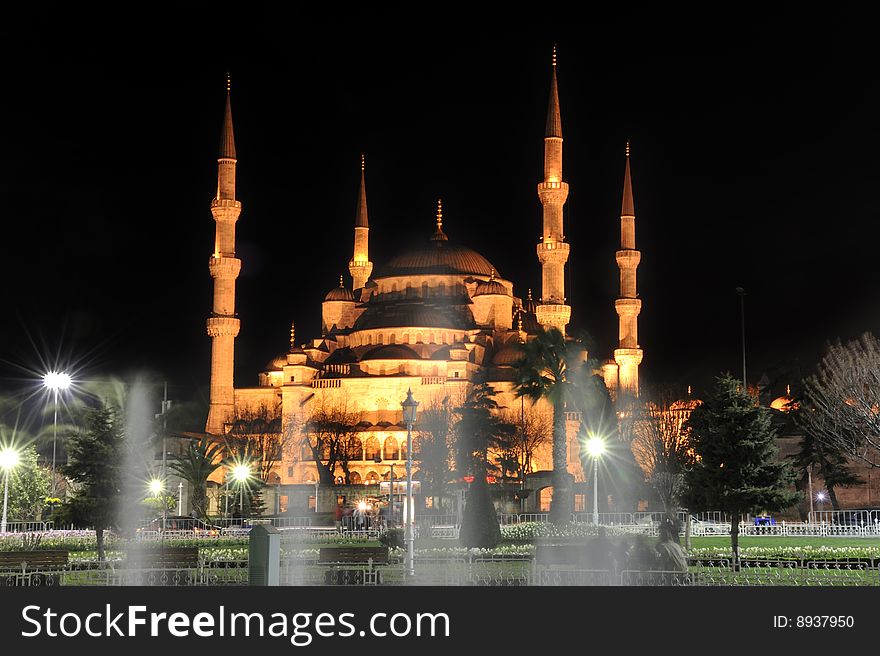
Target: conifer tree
x=735, y=468
x=95, y=466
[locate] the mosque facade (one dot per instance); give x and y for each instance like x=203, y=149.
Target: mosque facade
x=432, y=319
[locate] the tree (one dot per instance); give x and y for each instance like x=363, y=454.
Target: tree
x=660, y=445
x=550, y=369
x=826, y=458
x=195, y=465
x=330, y=432
x=28, y=486
x=433, y=447
x=95, y=464
x=256, y=437
x=478, y=428
x=734, y=468
x=534, y=429
x=842, y=400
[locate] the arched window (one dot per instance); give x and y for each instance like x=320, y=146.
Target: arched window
x=372, y=479
x=392, y=339
x=355, y=478
x=371, y=448
x=403, y=449
x=390, y=450
x=424, y=290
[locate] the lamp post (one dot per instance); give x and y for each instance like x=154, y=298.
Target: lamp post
x=742, y=316
x=810, y=483
x=389, y=519
x=595, y=447
x=180, y=498
x=410, y=406
x=9, y=460
x=55, y=381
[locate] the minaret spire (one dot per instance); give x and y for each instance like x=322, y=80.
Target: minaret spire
x=223, y=325
x=360, y=266
x=553, y=250
x=629, y=355
x=439, y=235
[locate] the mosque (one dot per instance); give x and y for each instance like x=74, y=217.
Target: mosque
x=431, y=319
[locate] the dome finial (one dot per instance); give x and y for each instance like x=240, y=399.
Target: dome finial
x=627, y=147
x=341, y=284
x=529, y=295
x=554, y=55
x=519, y=321
x=228, y=82
x=362, y=162
x=492, y=274
x=788, y=390
x=292, y=336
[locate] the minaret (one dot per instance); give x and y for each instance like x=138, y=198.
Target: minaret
x=552, y=312
x=360, y=266
x=223, y=325
x=628, y=305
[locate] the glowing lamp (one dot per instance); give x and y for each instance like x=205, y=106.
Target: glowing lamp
x=241, y=473
x=410, y=406
x=595, y=446
x=56, y=381
x=156, y=487
x=9, y=459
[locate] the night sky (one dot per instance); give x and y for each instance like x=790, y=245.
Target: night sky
x=754, y=142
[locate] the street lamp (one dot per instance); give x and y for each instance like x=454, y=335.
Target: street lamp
x=240, y=474
x=742, y=316
x=595, y=447
x=9, y=460
x=156, y=487
x=55, y=381
x=410, y=406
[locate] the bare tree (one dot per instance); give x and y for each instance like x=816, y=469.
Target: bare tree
x=256, y=438
x=330, y=432
x=658, y=434
x=842, y=408
x=534, y=430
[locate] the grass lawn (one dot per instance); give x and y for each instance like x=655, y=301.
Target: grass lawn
x=793, y=541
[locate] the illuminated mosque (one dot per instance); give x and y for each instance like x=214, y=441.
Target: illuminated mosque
x=431, y=319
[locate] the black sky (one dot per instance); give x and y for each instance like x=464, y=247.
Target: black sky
x=754, y=163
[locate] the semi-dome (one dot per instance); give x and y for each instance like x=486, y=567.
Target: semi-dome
x=339, y=294
x=391, y=352
x=437, y=257
x=491, y=286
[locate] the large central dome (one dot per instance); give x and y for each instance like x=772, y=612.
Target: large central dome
x=437, y=257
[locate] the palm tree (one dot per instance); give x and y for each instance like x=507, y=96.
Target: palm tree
x=550, y=368
x=201, y=459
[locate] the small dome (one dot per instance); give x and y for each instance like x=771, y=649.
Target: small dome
x=340, y=293
x=508, y=356
x=783, y=404
x=491, y=286
x=391, y=352
x=277, y=363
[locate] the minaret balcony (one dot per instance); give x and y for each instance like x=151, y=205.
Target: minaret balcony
x=225, y=202
x=224, y=267
x=628, y=307
x=628, y=259
x=220, y=326
x=552, y=192
x=553, y=252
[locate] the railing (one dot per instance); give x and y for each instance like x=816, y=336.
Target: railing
x=27, y=527
x=433, y=380
x=325, y=383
